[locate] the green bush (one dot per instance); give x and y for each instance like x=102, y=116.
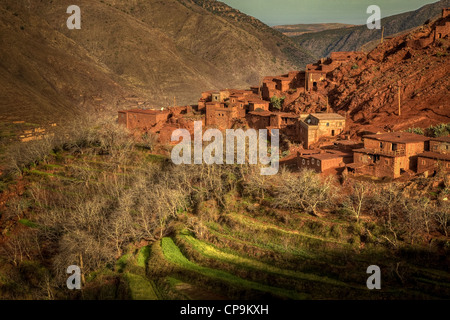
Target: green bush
x=440, y=130
x=416, y=131
x=277, y=103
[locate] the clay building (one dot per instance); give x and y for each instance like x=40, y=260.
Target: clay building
x=348, y=145
x=314, y=75
x=258, y=104
x=259, y=119
x=438, y=156
x=317, y=72
x=442, y=28
x=275, y=120
x=324, y=161
x=142, y=119
x=222, y=116
x=317, y=125
x=276, y=86
x=429, y=162
x=388, y=154
x=440, y=145
x=206, y=97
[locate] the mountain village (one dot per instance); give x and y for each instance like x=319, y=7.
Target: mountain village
x=325, y=146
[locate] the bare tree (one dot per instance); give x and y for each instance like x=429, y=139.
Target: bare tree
x=442, y=217
x=305, y=191
x=357, y=200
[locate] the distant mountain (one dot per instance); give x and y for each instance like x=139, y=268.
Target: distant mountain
x=147, y=50
x=321, y=44
x=292, y=30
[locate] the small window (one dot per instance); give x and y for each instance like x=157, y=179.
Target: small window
x=312, y=161
x=423, y=162
x=386, y=161
x=318, y=163
x=303, y=161
x=307, y=162
x=328, y=124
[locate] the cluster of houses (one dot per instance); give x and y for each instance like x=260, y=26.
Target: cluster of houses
x=321, y=135
x=325, y=148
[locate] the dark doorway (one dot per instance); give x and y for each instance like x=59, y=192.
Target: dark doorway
x=394, y=147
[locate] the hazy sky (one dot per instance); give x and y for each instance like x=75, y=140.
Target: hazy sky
x=276, y=12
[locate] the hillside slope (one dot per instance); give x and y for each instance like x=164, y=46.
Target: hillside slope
x=151, y=50
x=321, y=44
x=368, y=89
x=299, y=29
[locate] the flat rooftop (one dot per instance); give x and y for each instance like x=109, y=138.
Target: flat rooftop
x=328, y=116
x=441, y=139
x=325, y=156
x=264, y=113
x=435, y=155
x=148, y=111
x=347, y=142
x=397, y=137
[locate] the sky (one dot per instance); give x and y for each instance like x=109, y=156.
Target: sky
x=279, y=12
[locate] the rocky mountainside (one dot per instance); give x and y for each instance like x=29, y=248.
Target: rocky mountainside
x=321, y=44
x=150, y=51
x=367, y=88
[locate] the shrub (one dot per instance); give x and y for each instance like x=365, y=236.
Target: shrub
x=277, y=103
x=416, y=131
x=440, y=130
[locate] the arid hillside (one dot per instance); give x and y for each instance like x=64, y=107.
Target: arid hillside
x=367, y=88
x=321, y=44
x=292, y=30
x=150, y=51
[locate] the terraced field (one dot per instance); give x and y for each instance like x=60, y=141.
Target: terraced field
x=240, y=265
x=249, y=252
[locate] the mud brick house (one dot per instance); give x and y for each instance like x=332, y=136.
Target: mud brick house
x=317, y=72
x=275, y=86
x=388, y=154
x=142, y=119
x=440, y=145
x=442, y=28
x=259, y=119
x=256, y=104
x=275, y=120
x=317, y=125
x=222, y=116
x=428, y=162
x=206, y=97
x=324, y=161
x=314, y=75
x=348, y=145
x=437, y=157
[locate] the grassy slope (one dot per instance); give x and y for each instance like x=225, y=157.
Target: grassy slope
x=174, y=255
x=256, y=252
